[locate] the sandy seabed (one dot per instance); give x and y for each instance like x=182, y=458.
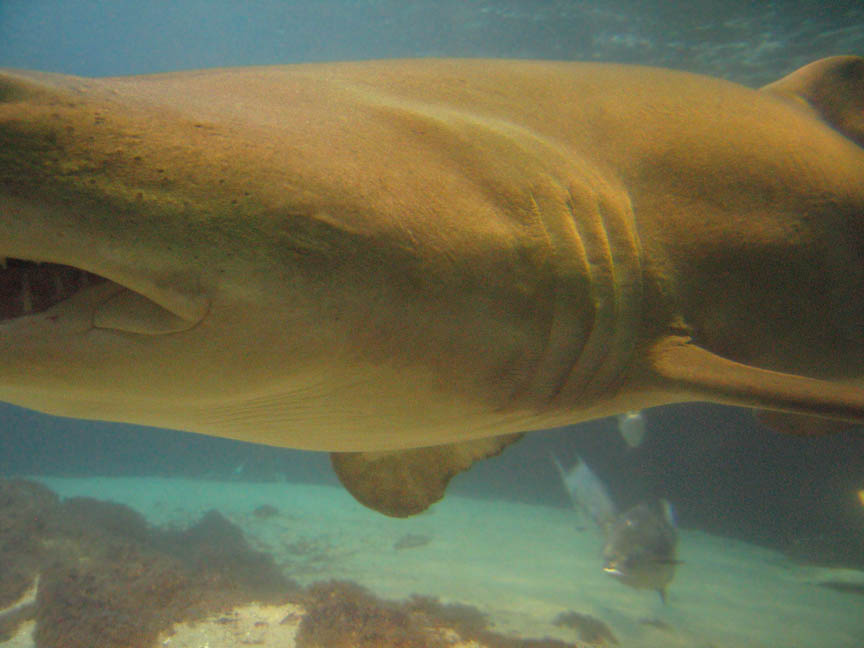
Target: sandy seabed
x=522, y=565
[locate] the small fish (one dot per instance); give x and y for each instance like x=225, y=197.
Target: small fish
x=640, y=544
x=631, y=427
x=588, y=494
x=640, y=548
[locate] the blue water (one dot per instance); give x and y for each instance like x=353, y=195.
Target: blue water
x=745, y=41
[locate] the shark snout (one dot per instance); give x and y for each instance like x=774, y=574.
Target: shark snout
x=72, y=240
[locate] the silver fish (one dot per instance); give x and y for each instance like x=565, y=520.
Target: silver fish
x=640, y=543
x=640, y=548
x=632, y=427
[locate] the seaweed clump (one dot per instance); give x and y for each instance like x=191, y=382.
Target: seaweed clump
x=122, y=582
x=25, y=510
x=345, y=615
x=591, y=630
x=473, y=625
x=108, y=579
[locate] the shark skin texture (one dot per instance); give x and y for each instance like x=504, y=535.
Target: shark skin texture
x=410, y=263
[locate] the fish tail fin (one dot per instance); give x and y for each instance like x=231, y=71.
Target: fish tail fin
x=566, y=480
x=587, y=492
x=669, y=512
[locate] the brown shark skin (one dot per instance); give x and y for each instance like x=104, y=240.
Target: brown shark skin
x=387, y=255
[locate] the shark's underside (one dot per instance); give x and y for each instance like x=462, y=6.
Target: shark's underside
x=409, y=263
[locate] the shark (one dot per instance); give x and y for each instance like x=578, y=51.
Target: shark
x=411, y=263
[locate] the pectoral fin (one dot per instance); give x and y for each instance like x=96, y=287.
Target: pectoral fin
x=801, y=425
x=687, y=368
x=407, y=482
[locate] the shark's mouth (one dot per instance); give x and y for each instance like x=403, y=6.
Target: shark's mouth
x=28, y=288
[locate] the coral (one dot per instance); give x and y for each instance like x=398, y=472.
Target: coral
x=79, y=517
x=345, y=615
x=25, y=509
x=467, y=620
x=108, y=579
x=492, y=640
x=591, y=630
x=216, y=546
x=472, y=624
